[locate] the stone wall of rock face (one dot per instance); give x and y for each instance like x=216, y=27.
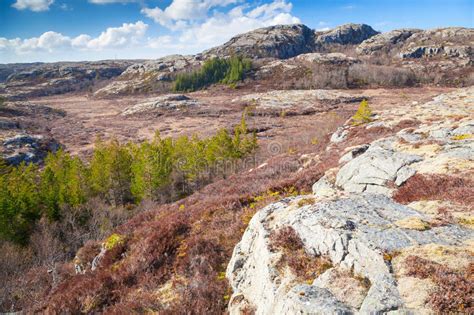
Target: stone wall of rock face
x=353, y=221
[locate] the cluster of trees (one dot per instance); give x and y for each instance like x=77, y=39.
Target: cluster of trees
x=120, y=174
x=216, y=70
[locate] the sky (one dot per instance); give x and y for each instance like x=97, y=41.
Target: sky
x=74, y=30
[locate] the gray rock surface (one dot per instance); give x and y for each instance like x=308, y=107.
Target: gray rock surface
x=165, y=102
x=280, y=41
x=354, y=232
x=385, y=40
x=27, y=148
x=346, y=34
x=326, y=58
x=285, y=99
x=354, y=223
x=436, y=50
x=373, y=170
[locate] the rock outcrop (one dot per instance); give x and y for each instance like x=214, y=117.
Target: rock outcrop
x=153, y=75
x=347, y=34
x=370, y=239
x=165, y=102
x=265, y=44
x=385, y=41
x=280, y=41
x=453, y=42
x=354, y=232
x=303, y=100
x=58, y=78
x=27, y=148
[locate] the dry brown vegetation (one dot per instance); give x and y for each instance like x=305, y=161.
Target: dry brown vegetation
x=436, y=187
x=304, y=266
x=455, y=289
x=172, y=257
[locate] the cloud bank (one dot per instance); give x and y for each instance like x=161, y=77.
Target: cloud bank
x=33, y=5
x=113, y=37
x=190, y=26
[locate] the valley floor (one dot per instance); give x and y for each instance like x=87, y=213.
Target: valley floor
x=87, y=118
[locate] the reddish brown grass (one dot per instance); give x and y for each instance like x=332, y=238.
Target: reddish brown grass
x=304, y=266
x=454, y=289
x=286, y=238
x=436, y=187
x=192, y=240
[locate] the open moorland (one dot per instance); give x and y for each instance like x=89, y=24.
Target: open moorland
x=286, y=171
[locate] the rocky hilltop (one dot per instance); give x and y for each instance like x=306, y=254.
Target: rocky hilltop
x=396, y=58
x=274, y=42
x=390, y=228
x=41, y=79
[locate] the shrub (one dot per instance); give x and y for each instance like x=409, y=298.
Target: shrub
x=462, y=136
x=363, y=114
x=113, y=240
x=19, y=200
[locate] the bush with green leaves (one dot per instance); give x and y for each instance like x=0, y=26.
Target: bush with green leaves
x=216, y=70
x=119, y=174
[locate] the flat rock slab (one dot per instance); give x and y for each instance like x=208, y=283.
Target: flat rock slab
x=354, y=232
x=166, y=102
x=297, y=98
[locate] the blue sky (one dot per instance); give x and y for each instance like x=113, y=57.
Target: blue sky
x=53, y=30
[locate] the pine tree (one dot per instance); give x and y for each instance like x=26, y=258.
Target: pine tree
x=363, y=114
x=100, y=170
x=63, y=182
x=19, y=200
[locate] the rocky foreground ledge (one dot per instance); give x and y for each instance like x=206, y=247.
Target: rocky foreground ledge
x=390, y=229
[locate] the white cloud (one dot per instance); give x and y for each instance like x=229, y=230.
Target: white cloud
x=193, y=26
x=114, y=37
x=124, y=36
x=178, y=11
x=33, y=5
x=219, y=27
